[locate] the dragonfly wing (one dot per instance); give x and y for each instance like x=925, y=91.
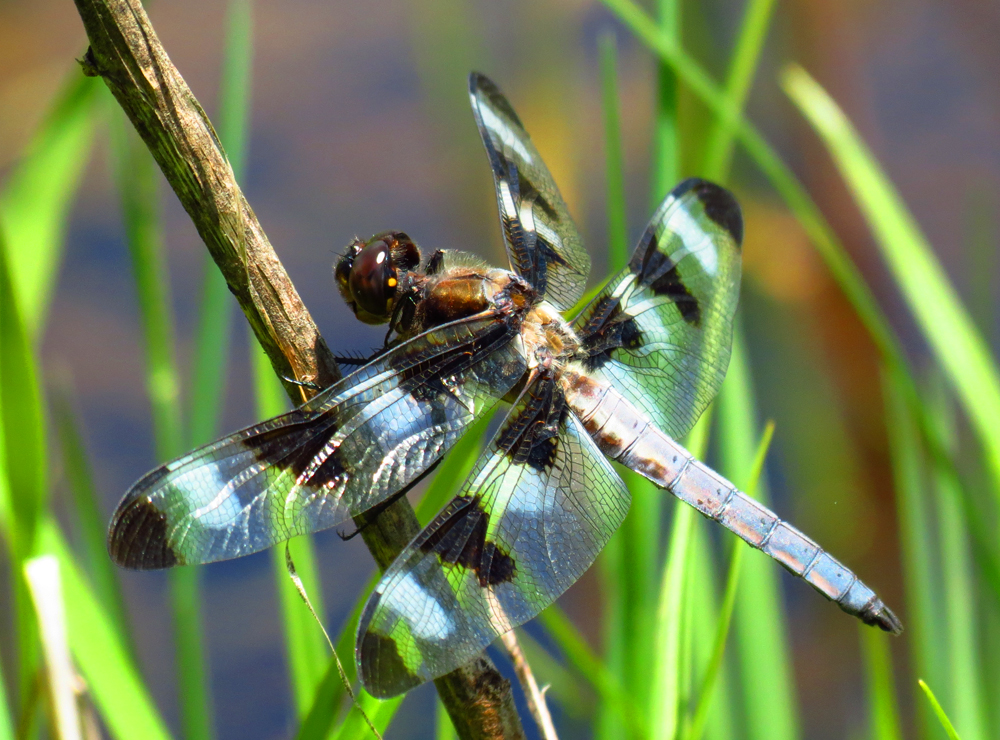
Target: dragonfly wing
x=543, y=244
x=532, y=517
x=346, y=450
x=661, y=330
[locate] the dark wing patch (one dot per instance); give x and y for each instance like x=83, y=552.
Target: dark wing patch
x=141, y=543
x=530, y=519
x=661, y=329
x=348, y=449
x=543, y=244
x=460, y=539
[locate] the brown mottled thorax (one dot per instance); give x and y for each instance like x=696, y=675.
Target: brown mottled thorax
x=452, y=296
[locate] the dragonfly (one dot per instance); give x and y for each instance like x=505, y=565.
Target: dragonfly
x=621, y=382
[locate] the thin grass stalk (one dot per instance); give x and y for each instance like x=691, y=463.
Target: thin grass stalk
x=99, y=650
x=939, y=712
x=882, y=705
x=138, y=186
x=962, y=630
x=762, y=648
x=947, y=326
x=560, y=682
x=621, y=706
x=42, y=575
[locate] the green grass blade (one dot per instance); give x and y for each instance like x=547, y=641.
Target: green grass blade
x=762, y=649
x=35, y=202
x=614, y=158
x=885, y=724
x=699, y=715
x=666, y=689
x=959, y=594
x=379, y=712
x=939, y=312
x=6, y=724
x=622, y=706
x=949, y=728
x=444, y=729
x=23, y=437
x=138, y=188
x=702, y=612
x=23, y=421
x=103, y=658
x=87, y=514
x=666, y=123
x=668, y=677
x=924, y=622
x=742, y=68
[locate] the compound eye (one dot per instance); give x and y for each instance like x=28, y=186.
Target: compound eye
x=373, y=279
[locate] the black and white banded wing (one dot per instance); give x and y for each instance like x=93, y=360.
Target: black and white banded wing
x=348, y=449
x=661, y=330
x=532, y=517
x=543, y=244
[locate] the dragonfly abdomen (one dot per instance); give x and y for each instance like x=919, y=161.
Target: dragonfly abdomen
x=627, y=436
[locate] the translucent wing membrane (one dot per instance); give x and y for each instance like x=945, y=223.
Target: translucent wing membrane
x=351, y=447
x=531, y=518
x=661, y=330
x=543, y=244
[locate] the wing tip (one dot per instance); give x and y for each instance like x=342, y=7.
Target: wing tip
x=137, y=537
x=719, y=203
x=480, y=85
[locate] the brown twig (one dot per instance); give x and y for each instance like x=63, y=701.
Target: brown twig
x=534, y=696
x=126, y=53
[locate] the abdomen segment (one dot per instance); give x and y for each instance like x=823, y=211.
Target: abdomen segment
x=627, y=436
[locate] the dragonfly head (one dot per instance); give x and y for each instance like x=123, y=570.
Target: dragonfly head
x=372, y=274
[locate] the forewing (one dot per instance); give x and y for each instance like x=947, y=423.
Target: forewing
x=532, y=517
x=661, y=330
x=543, y=244
x=351, y=447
